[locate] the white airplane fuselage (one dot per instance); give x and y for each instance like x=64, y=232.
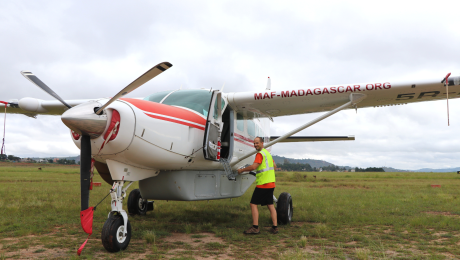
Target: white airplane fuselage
x=162, y=147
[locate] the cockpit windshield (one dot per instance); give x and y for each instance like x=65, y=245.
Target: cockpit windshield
x=157, y=97
x=194, y=99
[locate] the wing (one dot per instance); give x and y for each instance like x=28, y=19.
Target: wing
x=327, y=98
x=33, y=107
x=292, y=139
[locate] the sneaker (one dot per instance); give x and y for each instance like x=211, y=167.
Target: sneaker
x=252, y=230
x=274, y=230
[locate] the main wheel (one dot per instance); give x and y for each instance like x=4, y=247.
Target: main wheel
x=136, y=205
x=284, y=209
x=112, y=234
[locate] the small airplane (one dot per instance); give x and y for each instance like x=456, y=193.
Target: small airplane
x=187, y=144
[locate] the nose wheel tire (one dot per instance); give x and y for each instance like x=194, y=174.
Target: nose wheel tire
x=284, y=209
x=136, y=205
x=112, y=236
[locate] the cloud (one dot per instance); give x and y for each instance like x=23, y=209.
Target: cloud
x=94, y=49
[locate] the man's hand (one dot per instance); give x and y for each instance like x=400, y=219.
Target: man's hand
x=249, y=168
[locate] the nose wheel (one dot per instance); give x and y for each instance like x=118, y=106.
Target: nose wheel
x=113, y=237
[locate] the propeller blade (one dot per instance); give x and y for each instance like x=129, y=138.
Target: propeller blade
x=30, y=76
x=150, y=74
x=85, y=170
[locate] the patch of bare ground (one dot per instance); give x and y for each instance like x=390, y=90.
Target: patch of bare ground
x=187, y=238
x=391, y=253
x=442, y=213
x=197, y=245
x=37, y=252
x=449, y=256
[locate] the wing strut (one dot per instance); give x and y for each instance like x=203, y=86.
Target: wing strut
x=354, y=99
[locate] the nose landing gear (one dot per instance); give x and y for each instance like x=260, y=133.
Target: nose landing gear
x=116, y=232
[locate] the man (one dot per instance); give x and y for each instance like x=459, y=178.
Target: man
x=264, y=167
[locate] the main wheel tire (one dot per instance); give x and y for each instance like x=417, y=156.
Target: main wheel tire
x=112, y=234
x=284, y=209
x=136, y=205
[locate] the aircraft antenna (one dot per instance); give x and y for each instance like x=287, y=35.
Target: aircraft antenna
x=446, y=84
x=221, y=89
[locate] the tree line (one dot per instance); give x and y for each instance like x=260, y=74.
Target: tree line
x=12, y=158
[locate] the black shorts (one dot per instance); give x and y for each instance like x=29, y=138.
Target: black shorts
x=262, y=196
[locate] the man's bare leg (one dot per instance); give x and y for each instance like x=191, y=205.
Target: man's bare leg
x=255, y=214
x=272, y=214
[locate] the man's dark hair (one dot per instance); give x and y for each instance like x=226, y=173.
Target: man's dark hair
x=260, y=139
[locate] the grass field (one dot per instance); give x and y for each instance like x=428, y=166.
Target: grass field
x=336, y=215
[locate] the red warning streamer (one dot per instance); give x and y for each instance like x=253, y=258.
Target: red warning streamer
x=86, y=217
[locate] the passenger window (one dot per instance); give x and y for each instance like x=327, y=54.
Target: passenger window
x=251, y=128
x=240, y=122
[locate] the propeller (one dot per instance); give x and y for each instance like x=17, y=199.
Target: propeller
x=85, y=170
x=85, y=150
x=150, y=74
x=84, y=120
x=30, y=76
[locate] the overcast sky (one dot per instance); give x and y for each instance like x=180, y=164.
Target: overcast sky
x=90, y=49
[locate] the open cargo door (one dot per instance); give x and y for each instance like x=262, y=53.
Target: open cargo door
x=213, y=131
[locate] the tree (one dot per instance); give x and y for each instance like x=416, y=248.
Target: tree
x=13, y=158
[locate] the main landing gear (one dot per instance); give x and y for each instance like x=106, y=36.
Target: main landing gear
x=137, y=205
x=284, y=209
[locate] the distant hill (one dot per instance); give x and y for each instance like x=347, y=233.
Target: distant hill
x=438, y=170
x=312, y=162
x=391, y=169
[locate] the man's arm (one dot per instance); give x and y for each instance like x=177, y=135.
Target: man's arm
x=249, y=168
x=274, y=164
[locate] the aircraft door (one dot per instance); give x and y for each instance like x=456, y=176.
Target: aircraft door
x=213, y=131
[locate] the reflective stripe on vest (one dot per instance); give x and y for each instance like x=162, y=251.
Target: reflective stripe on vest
x=265, y=172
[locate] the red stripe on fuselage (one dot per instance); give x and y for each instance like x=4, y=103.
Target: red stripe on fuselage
x=243, y=142
x=167, y=110
x=175, y=121
x=243, y=137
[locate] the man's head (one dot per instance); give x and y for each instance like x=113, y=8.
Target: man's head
x=259, y=143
